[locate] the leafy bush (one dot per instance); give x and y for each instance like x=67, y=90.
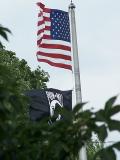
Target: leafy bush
x=22, y=139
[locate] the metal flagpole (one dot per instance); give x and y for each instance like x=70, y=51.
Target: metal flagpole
x=76, y=69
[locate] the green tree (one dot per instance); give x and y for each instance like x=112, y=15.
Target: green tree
x=22, y=73
x=22, y=139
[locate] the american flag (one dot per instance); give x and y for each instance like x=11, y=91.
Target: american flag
x=53, y=34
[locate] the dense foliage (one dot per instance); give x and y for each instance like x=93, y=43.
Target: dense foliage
x=22, y=139
x=21, y=72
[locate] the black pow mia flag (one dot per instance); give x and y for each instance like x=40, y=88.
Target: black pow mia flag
x=43, y=102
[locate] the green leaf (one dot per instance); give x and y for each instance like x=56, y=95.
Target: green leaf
x=114, y=125
x=1, y=46
x=100, y=116
x=3, y=32
x=117, y=145
x=102, y=132
x=106, y=154
x=110, y=103
x=114, y=110
x=78, y=107
x=110, y=155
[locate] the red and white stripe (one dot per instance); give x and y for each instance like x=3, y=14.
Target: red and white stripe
x=54, y=52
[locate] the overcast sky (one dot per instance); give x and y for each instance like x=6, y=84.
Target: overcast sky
x=98, y=33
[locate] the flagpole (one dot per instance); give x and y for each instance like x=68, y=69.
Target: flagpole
x=76, y=68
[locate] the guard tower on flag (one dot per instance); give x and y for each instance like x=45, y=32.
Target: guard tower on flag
x=57, y=43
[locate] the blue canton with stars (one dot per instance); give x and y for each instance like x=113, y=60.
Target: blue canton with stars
x=60, y=26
